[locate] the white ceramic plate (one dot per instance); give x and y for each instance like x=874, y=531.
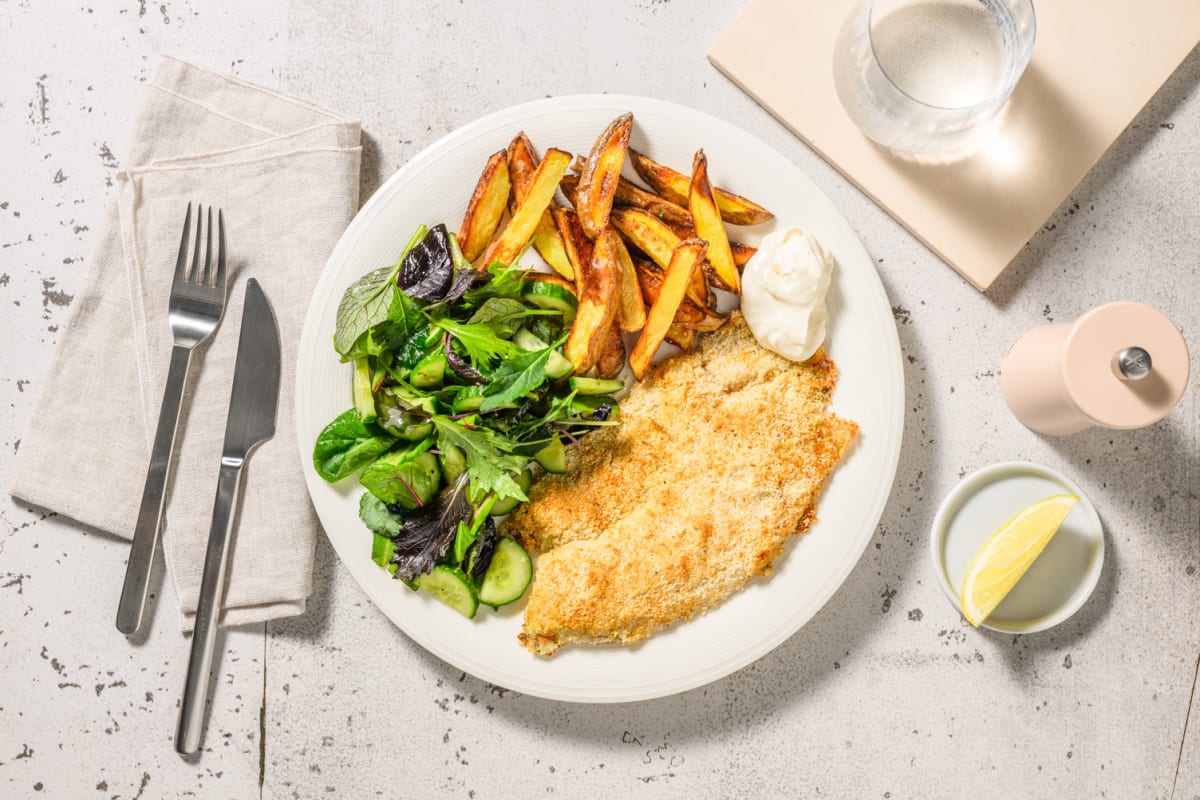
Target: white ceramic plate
x=434, y=187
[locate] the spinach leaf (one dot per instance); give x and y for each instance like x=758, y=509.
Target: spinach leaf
x=516, y=378
x=404, y=323
x=501, y=310
x=378, y=517
x=364, y=305
x=408, y=477
x=346, y=445
x=368, y=300
x=490, y=461
x=405, y=313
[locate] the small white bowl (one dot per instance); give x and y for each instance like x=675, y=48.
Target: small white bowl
x=1061, y=579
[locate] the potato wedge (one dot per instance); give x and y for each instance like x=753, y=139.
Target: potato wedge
x=630, y=194
x=631, y=308
x=597, y=281
x=709, y=226
x=684, y=261
x=486, y=207
x=741, y=252
x=611, y=359
x=522, y=163
x=675, y=186
x=570, y=187
x=548, y=277
x=576, y=245
x=600, y=173
x=689, y=315
x=521, y=225
x=681, y=337
x=656, y=239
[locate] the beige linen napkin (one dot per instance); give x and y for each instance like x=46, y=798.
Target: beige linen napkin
x=286, y=174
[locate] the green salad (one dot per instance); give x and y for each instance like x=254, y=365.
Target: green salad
x=461, y=396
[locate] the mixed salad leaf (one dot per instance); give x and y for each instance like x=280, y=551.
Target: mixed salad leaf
x=461, y=393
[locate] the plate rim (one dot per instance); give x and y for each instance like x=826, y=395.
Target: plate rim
x=834, y=578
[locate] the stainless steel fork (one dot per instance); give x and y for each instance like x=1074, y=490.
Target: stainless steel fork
x=197, y=303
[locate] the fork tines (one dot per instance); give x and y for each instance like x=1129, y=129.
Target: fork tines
x=194, y=272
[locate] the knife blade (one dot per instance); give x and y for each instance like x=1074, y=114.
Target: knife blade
x=250, y=422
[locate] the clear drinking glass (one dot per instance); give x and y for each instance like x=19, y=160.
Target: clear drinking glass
x=929, y=77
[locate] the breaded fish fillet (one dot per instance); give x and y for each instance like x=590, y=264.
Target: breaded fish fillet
x=720, y=456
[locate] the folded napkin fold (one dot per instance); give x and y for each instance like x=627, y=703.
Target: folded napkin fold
x=285, y=172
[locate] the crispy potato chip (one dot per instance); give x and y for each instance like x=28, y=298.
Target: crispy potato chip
x=486, y=207
x=675, y=186
x=600, y=174
x=709, y=226
x=522, y=163
x=684, y=261
x=523, y=222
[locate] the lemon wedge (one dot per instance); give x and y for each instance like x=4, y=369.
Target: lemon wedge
x=1009, y=552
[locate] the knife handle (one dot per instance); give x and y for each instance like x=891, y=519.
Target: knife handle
x=208, y=612
x=149, y=521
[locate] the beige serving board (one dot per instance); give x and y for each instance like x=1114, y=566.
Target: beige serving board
x=1095, y=64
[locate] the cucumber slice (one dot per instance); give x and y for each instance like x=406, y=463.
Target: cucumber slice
x=552, y=457
x=505, y=505
x=552, y=297
x=586, y=404
x=364, y=398
x=382, y=549
x=429, y=370
x=452, y=461
x=558, y=366
x=452, y=587
x=469, y=398
x=589, y=386
x=527, y=340
x=508, y=575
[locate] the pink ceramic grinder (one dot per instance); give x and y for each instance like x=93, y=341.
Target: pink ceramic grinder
x=1121, y=365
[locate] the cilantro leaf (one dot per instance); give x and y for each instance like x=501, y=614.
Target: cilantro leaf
x=490, y=461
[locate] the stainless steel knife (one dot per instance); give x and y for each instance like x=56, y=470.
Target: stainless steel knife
x=251, y=421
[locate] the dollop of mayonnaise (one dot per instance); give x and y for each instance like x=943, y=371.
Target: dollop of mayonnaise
x=783, y=293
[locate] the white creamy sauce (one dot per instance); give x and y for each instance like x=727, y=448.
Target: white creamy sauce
x=783, y=293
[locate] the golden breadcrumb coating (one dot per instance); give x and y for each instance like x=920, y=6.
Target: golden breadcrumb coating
x=720, y=457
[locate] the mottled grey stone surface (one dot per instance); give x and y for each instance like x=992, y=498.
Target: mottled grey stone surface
x=886, y=693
